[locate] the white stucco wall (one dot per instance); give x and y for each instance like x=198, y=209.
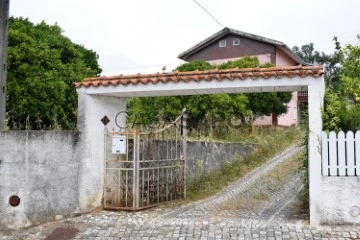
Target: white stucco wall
x=340, y=200
x=92, y=108
x=41, y=168
x=315, y=97
x=56, y=173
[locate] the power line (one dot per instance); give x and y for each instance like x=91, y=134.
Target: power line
x=208, y=13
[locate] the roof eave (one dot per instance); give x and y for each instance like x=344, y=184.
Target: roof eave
x=184, y=55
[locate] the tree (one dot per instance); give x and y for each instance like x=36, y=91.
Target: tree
x=350, y=72
x=206, y=110
x=260, y=104
x=42, y=65
x=350, y=79
x=331, y=61
x=273, y=103
x=342, y=94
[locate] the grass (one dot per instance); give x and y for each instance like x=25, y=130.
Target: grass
x=270, y=140
x=284, y=169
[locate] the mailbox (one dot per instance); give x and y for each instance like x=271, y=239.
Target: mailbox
x=119, y=145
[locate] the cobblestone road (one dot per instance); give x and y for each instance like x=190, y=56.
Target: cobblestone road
x=251, y=208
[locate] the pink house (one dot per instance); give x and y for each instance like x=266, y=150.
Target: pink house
x=229, y=44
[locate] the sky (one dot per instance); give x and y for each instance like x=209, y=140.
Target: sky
x=142, y=36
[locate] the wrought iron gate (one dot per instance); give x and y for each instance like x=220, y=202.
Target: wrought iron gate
x=143, y=169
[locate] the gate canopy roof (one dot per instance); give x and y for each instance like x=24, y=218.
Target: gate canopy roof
x=275, y=79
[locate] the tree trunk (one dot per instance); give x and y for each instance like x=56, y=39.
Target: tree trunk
x=274, y=119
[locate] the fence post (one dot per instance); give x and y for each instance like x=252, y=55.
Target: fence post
x=333, y=154
x=4, y=17
x=350, y=153
x=357, y=152
x=325, y=154
x=184, y=132
x=136, y=172
x=105, y=160
x=341, y=158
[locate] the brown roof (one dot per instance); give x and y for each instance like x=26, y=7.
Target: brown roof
x=226, y=31
x=230, y=74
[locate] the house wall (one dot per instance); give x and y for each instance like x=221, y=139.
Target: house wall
x=291, y=117
x=247, y=47
x=284, y=60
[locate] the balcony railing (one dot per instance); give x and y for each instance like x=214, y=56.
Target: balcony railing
x=302, y=93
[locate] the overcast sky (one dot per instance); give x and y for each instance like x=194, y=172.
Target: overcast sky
x=134, y=36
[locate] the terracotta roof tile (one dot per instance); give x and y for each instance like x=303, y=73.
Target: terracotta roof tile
x=209, y=75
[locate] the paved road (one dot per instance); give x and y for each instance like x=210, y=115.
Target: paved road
x=255, y=207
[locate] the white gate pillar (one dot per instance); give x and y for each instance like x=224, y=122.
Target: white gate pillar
x=315, y=101
x=91, y=109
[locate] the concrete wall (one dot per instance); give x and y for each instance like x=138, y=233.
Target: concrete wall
x=41, y=168
x=211, y=156
x=56, y=173
x=340, y=202
x=47, y=171
x=316, y=97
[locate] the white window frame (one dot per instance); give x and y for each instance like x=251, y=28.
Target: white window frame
x=222, y=43
x=236, y=41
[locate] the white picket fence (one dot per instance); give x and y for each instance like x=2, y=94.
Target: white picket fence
x=341, y=154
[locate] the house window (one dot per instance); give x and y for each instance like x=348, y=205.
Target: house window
x=222, y=43
x=236, y=41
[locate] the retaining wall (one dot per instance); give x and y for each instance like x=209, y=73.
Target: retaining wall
x=210, y=156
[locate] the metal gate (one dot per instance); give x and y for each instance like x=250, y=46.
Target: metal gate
x=143, y=169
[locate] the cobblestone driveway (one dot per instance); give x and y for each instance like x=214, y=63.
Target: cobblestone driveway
x=218, y=217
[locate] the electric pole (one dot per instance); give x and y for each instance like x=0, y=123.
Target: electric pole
x=4, y=17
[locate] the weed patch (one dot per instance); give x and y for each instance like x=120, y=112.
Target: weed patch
x=270, y=141
x=256, y=196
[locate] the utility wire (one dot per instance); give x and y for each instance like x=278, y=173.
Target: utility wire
x=208, y=13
